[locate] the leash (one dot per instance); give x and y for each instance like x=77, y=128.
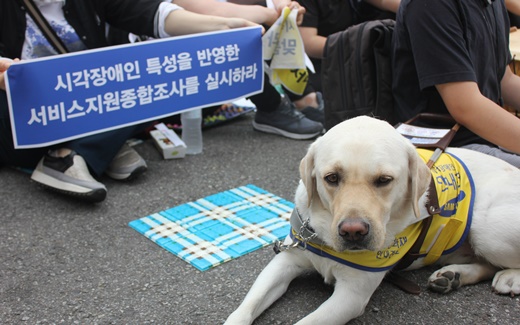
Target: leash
x=432, y=206
x=305, y=233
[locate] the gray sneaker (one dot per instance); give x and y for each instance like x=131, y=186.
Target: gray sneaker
x=69, y=175
x=126, y=165
x=287, y=121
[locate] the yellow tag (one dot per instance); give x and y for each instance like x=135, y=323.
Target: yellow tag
x=294, y=80
x=283, y=47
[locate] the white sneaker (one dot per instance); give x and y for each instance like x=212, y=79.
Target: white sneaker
x=126, y=165
x=69, y=175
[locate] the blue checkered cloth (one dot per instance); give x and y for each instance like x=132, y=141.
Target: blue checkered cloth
x=220, y=227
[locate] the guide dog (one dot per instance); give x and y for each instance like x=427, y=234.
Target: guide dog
x=362, y=184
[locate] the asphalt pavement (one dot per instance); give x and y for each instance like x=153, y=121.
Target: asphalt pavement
x=67, y=262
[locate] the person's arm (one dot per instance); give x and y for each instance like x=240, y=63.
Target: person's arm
x=255, y=13
x=481, y=115
x=313, y=43
x=513, y=6
x=5, y=63
x=388, y=5
x=182, y=22
x=510, y=85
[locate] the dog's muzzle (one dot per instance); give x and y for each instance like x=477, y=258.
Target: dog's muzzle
x=355, y=233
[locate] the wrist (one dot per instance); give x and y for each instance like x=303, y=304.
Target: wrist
x=271, y=17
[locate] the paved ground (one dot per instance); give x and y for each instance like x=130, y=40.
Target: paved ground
x=65, y=262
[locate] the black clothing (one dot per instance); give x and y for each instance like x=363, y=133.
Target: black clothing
x=469, y=43
x=88, y=18
x=332, y=16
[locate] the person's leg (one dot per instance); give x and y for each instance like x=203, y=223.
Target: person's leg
x=66, y=168
x=50, y=171
x=308, y=92
x=315, y=78
x=66, y=172
x=99, y=150
x=269, y=99
x=310, y=102
x=509, y=157
x=313, y=83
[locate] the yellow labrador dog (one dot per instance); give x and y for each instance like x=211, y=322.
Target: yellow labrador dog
x=362, y=185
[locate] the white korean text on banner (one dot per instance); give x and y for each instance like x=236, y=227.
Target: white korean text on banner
x=59, y=98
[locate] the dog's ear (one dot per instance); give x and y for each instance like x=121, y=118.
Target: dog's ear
x=419, y=178
x=307, y=173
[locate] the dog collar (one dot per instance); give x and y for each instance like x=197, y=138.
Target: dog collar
x=305, y=234
x=305, y=231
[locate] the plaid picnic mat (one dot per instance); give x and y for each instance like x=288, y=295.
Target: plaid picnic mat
x=219, y=227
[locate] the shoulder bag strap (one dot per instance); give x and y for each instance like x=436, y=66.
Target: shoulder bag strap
x=45, y=27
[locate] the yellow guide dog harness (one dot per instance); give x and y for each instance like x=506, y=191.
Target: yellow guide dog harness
x=449, y=226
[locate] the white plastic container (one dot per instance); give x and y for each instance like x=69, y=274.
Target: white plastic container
x=192, y=131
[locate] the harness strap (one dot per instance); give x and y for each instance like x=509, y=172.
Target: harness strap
x=303, y=229
x=414, y=252
x=432, y=206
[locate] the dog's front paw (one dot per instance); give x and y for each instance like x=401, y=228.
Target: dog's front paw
x=507, y=282
x=444, y=281
x=237, y=318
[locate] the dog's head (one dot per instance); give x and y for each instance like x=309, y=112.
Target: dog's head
x=366, y=180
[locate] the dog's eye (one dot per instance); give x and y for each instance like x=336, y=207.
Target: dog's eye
x=332, y=179
x=384, y=180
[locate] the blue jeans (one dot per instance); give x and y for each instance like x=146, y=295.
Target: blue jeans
x=98, y=150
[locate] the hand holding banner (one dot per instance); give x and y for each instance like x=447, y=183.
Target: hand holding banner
x=64, y=97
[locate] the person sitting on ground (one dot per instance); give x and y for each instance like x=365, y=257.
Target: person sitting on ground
x=324, y=18
x=452, y=57
x=292, y=116
x=67, y=167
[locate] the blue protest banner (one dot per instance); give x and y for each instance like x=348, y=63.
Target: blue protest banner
x=59, y=98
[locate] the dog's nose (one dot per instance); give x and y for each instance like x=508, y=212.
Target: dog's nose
x=353, y=230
